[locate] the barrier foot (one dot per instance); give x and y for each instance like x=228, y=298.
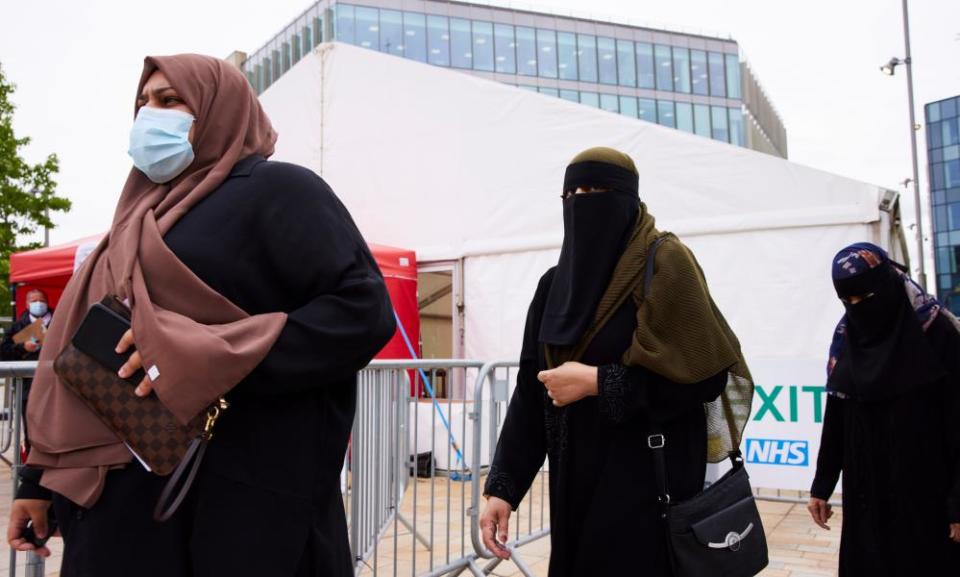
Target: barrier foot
x=477, y=571
x=423, y=540
x=492, y=565
x=521, y=564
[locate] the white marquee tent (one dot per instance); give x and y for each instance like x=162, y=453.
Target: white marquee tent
x=469, y=170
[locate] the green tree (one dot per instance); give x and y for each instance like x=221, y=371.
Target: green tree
x=27, y=193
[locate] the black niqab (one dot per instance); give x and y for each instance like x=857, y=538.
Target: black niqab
x=596, y=228
x=885, y=353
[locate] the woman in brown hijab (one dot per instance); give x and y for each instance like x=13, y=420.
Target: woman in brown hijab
x=248, y=279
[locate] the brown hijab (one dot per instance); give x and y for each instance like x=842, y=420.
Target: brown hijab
x=201, y=344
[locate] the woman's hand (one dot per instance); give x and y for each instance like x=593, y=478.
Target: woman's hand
x=955, y=532
x=569, y=383
x=22, y=511
x=821, y=511
x=133, y=364
x=494, y=526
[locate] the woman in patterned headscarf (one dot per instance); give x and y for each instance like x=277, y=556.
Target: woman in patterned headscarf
x=892, y=423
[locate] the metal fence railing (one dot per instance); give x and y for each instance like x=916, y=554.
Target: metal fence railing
x=414, y=471
x=11, y=433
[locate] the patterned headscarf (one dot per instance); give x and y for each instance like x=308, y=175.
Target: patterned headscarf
x=851, y=264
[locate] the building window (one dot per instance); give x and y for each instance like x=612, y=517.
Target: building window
x=719, y=118
x=607, y=59
x=626, y=63
x=526, y=51
x=665, y=115
x=733, y=76
x=306, y=40
x=276, y=65
x=367, y=27
x=571, y=95
x=647, y=109
x=461, y=51
x=681, y=70
x=951, y=173
x=415, y=36
x=698, y=73
x=718, y=82
x=737, y=134
x=547, y=53
x=506, y=49
x=267, y=73
x=567, y=55
x=549, y=91
x=628, y=106
x=646, y=77
x=590, y=99
x=609, y=102
x=438, y=41
x=295, y=44
x=701, y=120
x=317, y=36
x=483, y=46
x=345, y=24
x=684, y=116
x=391, y=32
x=664, y=67
x=286, y=56
x=950, y=130
x=587, y=51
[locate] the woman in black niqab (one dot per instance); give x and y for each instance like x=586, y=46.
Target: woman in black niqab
x=891, y=423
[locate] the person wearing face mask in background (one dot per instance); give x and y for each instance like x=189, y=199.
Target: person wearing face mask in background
x=38, y=313
x=599, y=365
x=892, y=423
x=248, y=279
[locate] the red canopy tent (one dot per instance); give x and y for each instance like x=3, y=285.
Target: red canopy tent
x=50, y=268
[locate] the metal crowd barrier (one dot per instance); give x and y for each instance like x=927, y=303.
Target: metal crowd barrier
x=414, y=471
x=11, y=434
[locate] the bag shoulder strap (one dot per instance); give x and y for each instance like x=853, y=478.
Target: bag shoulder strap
x=655, y=437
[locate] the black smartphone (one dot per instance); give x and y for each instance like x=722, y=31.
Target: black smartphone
x=32, y=538
x=98, y=336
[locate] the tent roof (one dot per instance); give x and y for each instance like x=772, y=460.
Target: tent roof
x=455, y=165
x=59, y=260
x=47, y=262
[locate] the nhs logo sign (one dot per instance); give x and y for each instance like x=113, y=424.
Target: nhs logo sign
x=778, y=452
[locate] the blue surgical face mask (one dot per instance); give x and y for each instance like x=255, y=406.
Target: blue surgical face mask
x=38, y=308
x=159, y=145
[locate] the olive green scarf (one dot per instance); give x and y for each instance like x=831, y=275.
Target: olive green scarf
x=680, y=334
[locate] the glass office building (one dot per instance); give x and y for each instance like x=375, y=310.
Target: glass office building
x=688, y=82
x=943, y=157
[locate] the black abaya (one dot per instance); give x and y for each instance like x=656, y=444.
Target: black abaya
x=900, y=460
x=603, y=500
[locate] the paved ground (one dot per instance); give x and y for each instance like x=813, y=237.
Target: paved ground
x=797, y=547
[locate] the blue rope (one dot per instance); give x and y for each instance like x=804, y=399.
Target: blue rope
x=426, y=384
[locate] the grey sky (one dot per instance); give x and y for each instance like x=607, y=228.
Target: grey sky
x=76, y=65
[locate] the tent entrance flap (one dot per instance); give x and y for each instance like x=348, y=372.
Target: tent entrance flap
x=441, y=326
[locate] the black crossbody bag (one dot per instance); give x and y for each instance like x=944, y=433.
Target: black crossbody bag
x=717, y=533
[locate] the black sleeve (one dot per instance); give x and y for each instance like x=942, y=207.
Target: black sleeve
x=9, y=350
x=344, y=315
x=945, y=338
x=522, y=446
x=30, y=485
x=626, y=391
x=830, y=459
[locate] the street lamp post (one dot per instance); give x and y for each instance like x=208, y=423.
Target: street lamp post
x=889, y=69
